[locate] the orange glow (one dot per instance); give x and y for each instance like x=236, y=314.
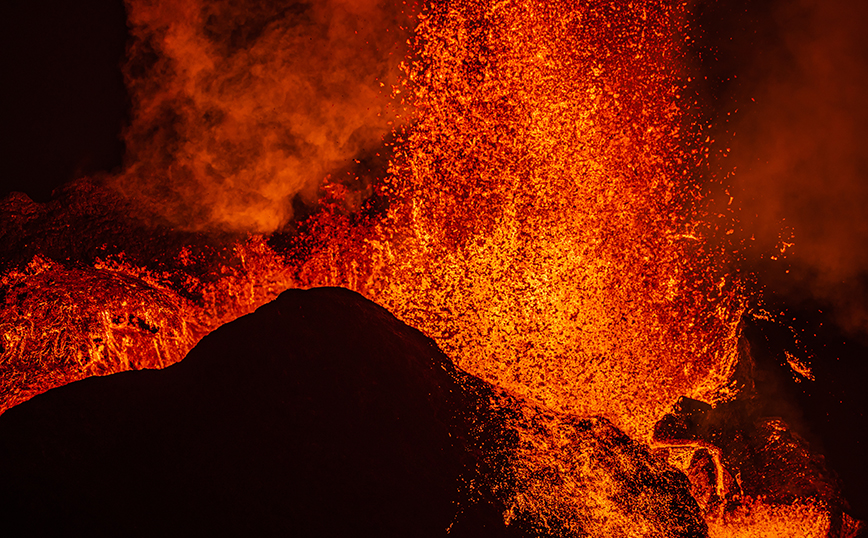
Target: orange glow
x=239, y=106
x=758, y=520
x=546, y=223
x=59, y=325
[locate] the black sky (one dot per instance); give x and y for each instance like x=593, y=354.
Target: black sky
x=62, y=102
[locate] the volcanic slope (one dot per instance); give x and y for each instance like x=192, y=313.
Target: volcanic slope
x=323, y=415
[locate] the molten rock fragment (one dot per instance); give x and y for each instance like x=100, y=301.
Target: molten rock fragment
x=322, y=414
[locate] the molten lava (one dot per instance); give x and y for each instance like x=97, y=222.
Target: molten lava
x=542, y=218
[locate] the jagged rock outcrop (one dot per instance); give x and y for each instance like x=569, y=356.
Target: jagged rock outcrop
x=741, y=454
x=322, y=415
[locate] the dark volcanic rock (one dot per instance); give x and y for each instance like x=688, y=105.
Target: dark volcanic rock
x=90, y=285
x=86, y=221
x=318, y=415
x=755, y=449
x=772, y=463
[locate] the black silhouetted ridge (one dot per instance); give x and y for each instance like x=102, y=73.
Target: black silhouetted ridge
x=318, y=415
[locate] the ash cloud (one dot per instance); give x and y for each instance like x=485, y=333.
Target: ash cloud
x=240, y=105
x=801, y=151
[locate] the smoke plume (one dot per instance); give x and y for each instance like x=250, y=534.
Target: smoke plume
x=801, y=151
x=241, y=105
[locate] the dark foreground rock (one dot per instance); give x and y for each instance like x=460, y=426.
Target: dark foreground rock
x=747, y=451
x=320, y=415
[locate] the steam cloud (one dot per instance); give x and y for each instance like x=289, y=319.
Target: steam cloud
x=240, y=105
x=802, y=151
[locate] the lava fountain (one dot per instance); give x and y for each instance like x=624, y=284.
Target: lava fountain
x=543, y=216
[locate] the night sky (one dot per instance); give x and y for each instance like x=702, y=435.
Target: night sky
x=62, y=102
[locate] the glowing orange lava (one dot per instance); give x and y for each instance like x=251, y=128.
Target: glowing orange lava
x=545, y=219
x=545, y=226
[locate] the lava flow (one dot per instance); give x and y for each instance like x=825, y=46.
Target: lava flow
x=542, y=216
